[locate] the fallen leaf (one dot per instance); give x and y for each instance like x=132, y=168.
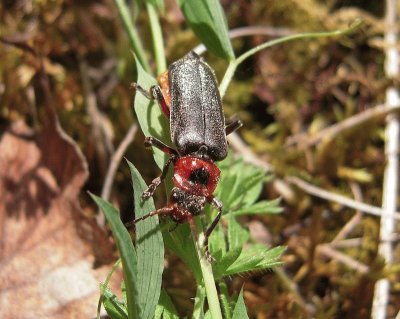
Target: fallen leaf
x=46, y=264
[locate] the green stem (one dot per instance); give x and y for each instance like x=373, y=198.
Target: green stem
x=208, y=277
x=224, y=300
x=230, y=71
x=198, y=306
x=132, y=34
x=158, y=42
x=308, y=35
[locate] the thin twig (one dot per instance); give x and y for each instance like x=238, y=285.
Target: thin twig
x=355, y=220
x=329, y=133
x=345, y=201
x=390, y=180
x=102, y=129
x=251, y=31
x=347, y=243
x=248, y=156
x=332, y=253
x=116, y=159
x=292, y=287
x=113, y=166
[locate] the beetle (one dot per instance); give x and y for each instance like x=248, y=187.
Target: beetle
x=188, y=95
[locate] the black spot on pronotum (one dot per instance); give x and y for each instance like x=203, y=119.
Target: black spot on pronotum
x=200, y=175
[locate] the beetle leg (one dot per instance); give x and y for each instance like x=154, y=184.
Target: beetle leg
x=157, y=181
x=155, y=93
x=152, y=141
x=161, y=211
x=145, y=93
x=235, y=123
x=217, y=204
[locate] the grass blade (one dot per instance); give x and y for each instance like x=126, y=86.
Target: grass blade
x=149, y=249
x=127, y=252
x=207, y=20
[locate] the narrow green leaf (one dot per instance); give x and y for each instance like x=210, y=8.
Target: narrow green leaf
x=149, y=249
x=256, y=257
x=181, y=243
x=208, y=22
x=159, y=4
x=226, y=188
x=152, y=121
x=123, y=291
x=240, y=184
x=127, y=252
x=240, y=311
x=226, y=261
x=104, y=286
x=217, y=241
x=165, y=308
x=114, y=307
x=133, y=36
x=261, y=207
x=237, y=234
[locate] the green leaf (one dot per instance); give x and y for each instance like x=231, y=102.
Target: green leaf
x=208, y=22
x=104, y=295
x=181, y=243
x=256, y=257
x=151, y=119
x=198, y=308
x=240, y=311
x=224, y=262
x=217, y=242
x=123, y=291
x=115, y=308
x=261, y=207
x=165, y=308
x=159, y=4
x=149, y=249
x=237, y=234
x=133, y=36
x=127, y=252
x=240, y=184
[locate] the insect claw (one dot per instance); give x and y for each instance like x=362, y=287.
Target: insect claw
x=209, y=257
x=146, y=195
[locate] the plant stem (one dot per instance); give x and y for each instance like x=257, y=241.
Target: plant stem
x=390, y=181
x=158, y=42
x=230, y=71
x=132, y=34
x=208, y=277
x=224, y=300
x=307, y=35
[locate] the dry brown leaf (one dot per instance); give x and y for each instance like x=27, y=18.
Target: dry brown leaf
x=46, y=267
